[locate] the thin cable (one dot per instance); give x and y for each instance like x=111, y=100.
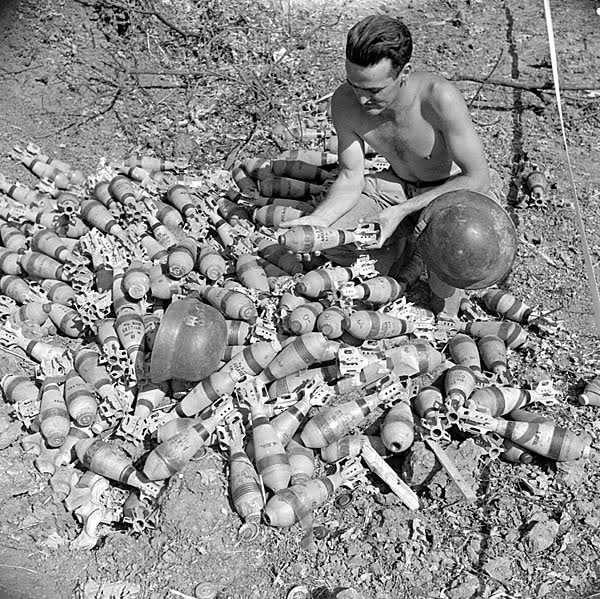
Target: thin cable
x=589, y=267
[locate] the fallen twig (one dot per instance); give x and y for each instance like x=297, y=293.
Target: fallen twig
x=152, y=12
x=486, y=78
x=534, y=88
x=106, y=109
x=18, y=71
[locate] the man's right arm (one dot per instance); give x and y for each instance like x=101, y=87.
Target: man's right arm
x=345, y=191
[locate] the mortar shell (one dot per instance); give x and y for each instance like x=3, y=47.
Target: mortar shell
x=289, y=302
x=210, y=263
x=244, y=485
x=293, y=382
x=428, y=401
x=333, y=423
x=19, y=388
x=301, y=170
x=206, y=392
x=296, y=503
x=545, y=439
x=174, y=453
x=12, y=238
x=302, y=461
x=162, y=286
x=301, y=353
x=245, y=183
x=231, y=212
x=512, y=333
x=87, y=365
x=59, y=292
x=463, y=351
x=15, y=287
x=379, y=290
x=53, y=417
x=238, y=332
x=280, y=256
x=303, y=319
x=309, y=238
x=97, y=215
x=251, y=274
x=42, y=266
x=80, y=399
x=136, y=281
x=368, y=324
x=329, y=322
x=271, y=461
x=169, y=429
x=46, y=171
x=231, y=303
x=273, y=216
x=123, y=190
x=67, y=320
x=253, y=358
x=169, y=215
x=507, y=305
x=102, y=194
x=155, y=251
x=515, y=454
x=151, y=163
x=99, y=457
x=161, y=233
x=315, y=157
x=413, y=358
x=182, y=258
x=285, y=187
x=459, y=382
x=398, y=428
x=49, y=243
x=10, y=262
x=33, y=312
x=24, y=195
x=493, y=353
x=591, y=393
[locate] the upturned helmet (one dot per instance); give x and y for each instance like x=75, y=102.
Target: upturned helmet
x=467, y=239
x=190, y=342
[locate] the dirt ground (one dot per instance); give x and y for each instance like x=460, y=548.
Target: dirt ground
x=207, y=82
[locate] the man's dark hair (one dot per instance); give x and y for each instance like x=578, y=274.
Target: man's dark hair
x=377, y=37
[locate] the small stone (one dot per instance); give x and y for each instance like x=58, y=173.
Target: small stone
x=419, y=465
x=541, y=536
x=465, y=589
x=499, y=569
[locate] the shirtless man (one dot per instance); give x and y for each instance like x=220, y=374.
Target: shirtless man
x=417, y=121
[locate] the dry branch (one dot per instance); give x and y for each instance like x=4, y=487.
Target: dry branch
x=535, y=88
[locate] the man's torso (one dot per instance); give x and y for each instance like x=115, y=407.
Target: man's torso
x=409, y=138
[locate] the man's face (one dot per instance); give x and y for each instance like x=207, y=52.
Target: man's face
x=375, y=86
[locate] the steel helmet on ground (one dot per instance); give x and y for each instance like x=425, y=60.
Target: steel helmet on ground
x=190, y=342
x=467, y=239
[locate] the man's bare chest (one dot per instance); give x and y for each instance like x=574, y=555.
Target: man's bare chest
x=410, y=140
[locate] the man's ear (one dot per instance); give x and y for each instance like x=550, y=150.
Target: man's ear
x=405, y=72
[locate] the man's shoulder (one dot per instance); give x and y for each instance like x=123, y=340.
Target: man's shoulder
x=431, y=83
x=344, y=103
x=435, y=91
x=343, y=95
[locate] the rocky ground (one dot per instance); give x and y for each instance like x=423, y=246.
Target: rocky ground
x=209, y=82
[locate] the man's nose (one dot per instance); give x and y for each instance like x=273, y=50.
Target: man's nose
x=364, y=97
